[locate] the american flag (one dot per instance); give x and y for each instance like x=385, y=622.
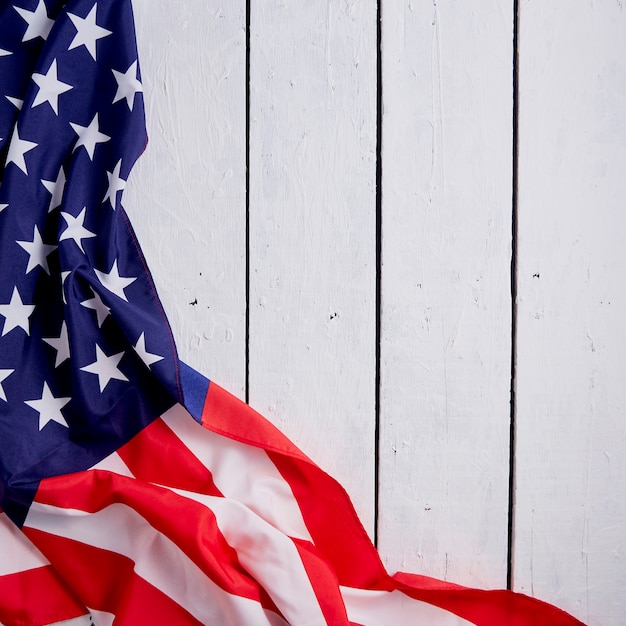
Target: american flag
x=133, y=490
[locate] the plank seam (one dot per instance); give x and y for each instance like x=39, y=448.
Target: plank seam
x=379, y=193
x=514, y=291
x=247, y=210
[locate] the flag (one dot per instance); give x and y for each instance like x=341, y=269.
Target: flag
x=133, y=489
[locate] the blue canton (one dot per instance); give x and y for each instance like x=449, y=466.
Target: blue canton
x=86, y=354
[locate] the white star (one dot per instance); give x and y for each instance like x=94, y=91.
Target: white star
x=4, y=374
x=3, y=205
x=56, y=188
x=101, y=309
x=115, y=184
x=105, y=367
x=114, y=282
x=4, y=53
x=75, y=229
x=39, y=24
x=64, y=275
x=49, y=407
x=16, y=102
x=127, y=85
x=61, y=344
x=17, y=149
x=38, y=251
x=147, y=357
x=16, y=313
x=89, y=136
x=87, y=31
x=50, y=88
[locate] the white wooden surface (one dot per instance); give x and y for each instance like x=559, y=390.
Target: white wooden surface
x=446, y=311
x=570, y=523
x=312, y=231
x=186, y=194
x=446, y=305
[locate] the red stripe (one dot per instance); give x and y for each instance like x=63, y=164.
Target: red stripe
x=333, y=524
x=326, y=508
x=484, y=608
x=324, y=583
x=105, y=581
x=188, y=524
x=226, y=415
x=157, y=455
x=36, y=596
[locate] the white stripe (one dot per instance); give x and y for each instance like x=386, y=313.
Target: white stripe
x=242, y=472
x=158, y=560
x=18, y=553
x=268, y=555
x=394, y=608
x=277, y=566
x=102, y=618
x=113, y=463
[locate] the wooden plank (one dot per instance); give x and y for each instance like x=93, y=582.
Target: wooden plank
x=446, y=314
x=312, y=232
x=186, y=195
x=570, y=525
